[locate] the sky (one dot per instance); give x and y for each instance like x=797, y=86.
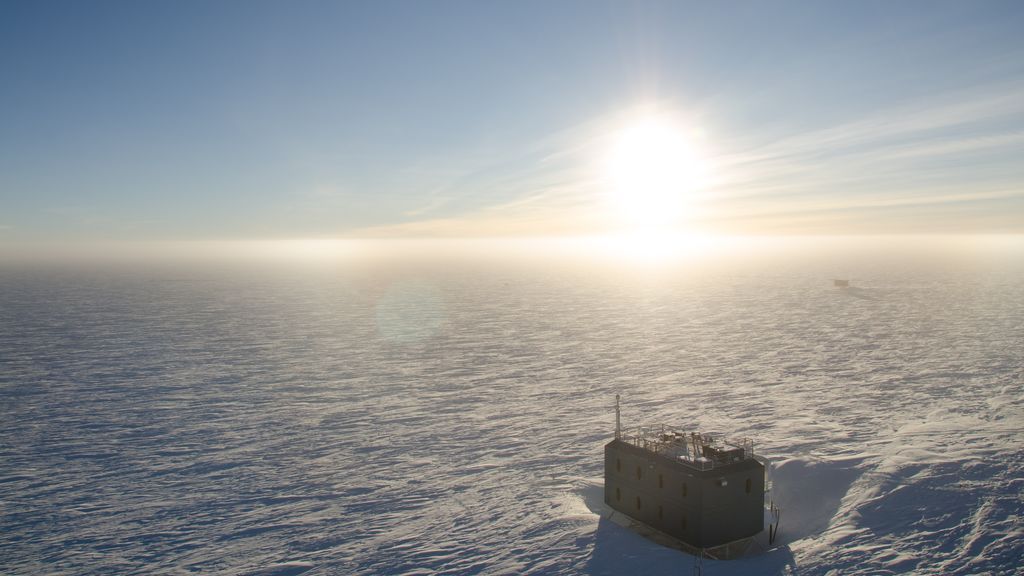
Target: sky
x=278, y=120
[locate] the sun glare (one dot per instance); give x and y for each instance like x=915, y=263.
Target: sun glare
x=653, y=170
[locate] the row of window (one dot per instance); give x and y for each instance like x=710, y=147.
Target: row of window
x=640, y=505
x=661, y=478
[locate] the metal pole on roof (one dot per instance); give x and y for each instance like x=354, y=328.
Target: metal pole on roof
x=618, y=421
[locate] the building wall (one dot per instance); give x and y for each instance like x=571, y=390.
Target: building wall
x=650, y=489
x=732, y=511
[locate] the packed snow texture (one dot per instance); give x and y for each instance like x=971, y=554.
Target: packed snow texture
x=448, y=417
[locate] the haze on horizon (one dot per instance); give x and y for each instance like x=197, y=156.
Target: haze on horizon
x=132, y=122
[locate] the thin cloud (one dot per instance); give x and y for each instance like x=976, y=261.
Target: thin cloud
x=958, y=146
x=954, y=149
x=916, y=120
x=868, y=173
x=566, y=209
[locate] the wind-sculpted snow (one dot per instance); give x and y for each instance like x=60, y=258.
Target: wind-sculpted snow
x=449, y=418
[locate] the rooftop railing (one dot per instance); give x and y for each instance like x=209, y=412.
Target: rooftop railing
x=701, y=451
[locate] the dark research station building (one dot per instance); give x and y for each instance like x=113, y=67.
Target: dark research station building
x=707, y=494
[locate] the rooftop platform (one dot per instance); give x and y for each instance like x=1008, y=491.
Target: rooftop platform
x=693, y=449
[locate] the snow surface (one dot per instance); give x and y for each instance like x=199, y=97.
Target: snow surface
x=449, y=417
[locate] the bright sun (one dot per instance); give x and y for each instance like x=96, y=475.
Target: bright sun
x=653, y=169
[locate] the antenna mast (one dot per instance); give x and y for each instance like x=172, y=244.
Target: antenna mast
x=618, y=421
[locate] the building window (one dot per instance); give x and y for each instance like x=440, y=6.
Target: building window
x=661, y=481
x=748, y=485
x=618, y=464
x=638, y=503
x=684, y=489
x=639, y=473
x=618, y=494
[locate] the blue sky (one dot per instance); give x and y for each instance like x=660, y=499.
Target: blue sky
x=225, y=120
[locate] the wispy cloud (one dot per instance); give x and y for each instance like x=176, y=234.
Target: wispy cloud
x=954, y=149
x=555, y=210
x=941, y=114
x=957, y=146
x=546, y=188
x=950, y=161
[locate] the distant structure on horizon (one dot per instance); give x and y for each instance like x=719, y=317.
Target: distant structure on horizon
x=706, y=493
x=839, y=283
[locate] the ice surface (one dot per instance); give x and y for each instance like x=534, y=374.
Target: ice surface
x=449, y=418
